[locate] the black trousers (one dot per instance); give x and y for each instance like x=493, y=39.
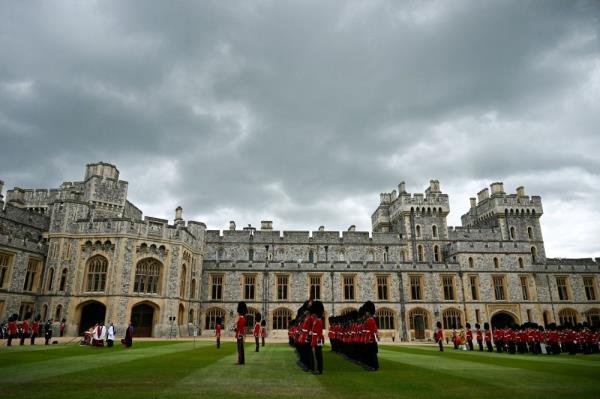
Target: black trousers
x=490, y=348
x=218, y=342
x=33, y=335
x=10, y=338
x=470, y=343
x=319, y=358
x=263, y=341
x=371, y=355
x=240, y=349
x=480, y=343
x=307, y=357
x=109, y=343
x=441, y=343
x=257, y=343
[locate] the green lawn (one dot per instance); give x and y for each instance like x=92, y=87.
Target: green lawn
x=172, y=369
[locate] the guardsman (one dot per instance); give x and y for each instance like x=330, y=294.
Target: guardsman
x=35, y=328
x=479, y=336
x=455, y=338
x=488, y=337
x=306, y=357
x=469, y=337
x=218, y=329
x=317, y=340
x=48, y=332
x=439, y=336
x=263, y=331
x=372, y=336
x=553, y=340
x=240, y=331
x=25, y=329
x=12, y=329
x=499, y=339
x=256, y=331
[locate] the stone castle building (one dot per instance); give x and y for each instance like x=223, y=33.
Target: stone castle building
x=84, y=253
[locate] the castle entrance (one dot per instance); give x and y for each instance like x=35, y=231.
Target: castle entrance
x=503, y=319
x=142, y=316
x=92, y=313
x=419, y=324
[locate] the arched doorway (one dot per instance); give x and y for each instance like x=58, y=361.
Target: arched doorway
x=142, y=318
x=503, y=319
x=419, y=321
x=91, y=313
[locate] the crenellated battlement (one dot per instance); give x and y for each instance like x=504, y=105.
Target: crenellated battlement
x=260, y=237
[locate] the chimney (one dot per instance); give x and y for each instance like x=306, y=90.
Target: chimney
x=434, y=186
x=178, y=215
x=321, y=228
x=497, y=188
x=402, y=187
x=473, y=202
x=520, y=191
x=232, y=225
x=394, y=195
x=352, y=228
x=266, y=225
x=483, y=195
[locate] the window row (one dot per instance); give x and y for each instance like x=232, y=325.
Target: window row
x=326, y=255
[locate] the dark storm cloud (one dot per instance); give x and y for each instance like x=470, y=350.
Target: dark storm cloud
x=302, y=112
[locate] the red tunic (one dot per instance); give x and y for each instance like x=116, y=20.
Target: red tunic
x=440, y=335
x=12, y=328
x=256, y=330
x=488, y=336
x=370, y=330
x=25, y=327
x=35, y=327
x=317, y=333
x=240, y=328
x=469, y=335
x=306, y=327
x=479, y=335
x=218, y=330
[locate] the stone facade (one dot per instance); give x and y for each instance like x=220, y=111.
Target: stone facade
x=412, y=265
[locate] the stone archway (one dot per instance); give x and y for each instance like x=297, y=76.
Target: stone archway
x=142, y=318
x=503, y=319
x=91, y=313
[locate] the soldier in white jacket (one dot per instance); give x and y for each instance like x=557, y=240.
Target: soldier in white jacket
x=110, y=335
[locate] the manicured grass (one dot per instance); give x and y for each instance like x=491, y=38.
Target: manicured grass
x=171, y=369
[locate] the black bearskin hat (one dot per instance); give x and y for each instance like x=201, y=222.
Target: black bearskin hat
x=317, y=309
x=263, y=323
x=439, y=324
x=38, y=317
x=486, y=325
x=242, y=308
x=369, y=307
x=477, y=326
x=468, y=325
x=218, y=320
x=257, y=317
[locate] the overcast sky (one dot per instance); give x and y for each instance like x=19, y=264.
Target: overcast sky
x=303, y=112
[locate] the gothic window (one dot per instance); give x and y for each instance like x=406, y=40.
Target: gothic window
x=512, y=233
x=499, y=288
x=420, y=254
x=521, y=265
x=590, y=288
x=382, y=288
x=524, y=288
x=437, y=255
x=50, y=279
x=32, y=276
x=418, y=313
x=58, y=313
x=561, y=285
x=348, y=287
x=474, y=282
x=315, y=286
x=434, y=231
x=471, y=263
x=416, y=291
x=451, y=318
x=5, y=263
x=96, y=274
x=250, y=254
x=593, y=317
x=448, y=285
x=183, y=281
x=63, y=280
x=533, y=254
x=530, y=233
x=147, y=277
x=210, y=321
x=311, y=256
x=281, y=318
x=282, y=287
x=567, y=316
x=249, y=286
x=418, y=231
x=191, y=316
x=216, y=287
x=386, y=254
x=496, y=263
x=384, y=318
x=193, y=289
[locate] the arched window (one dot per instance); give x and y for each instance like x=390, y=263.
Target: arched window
x=567, y=316
x=434, y=231
x=512, y=233
x=533, y=254
x=418, y=231
x=471, y=262
x=437, y=255
x=210, y=320
x=96, y=274
x=193, y=289
x=63, y=280
x=221, y=254
x=50, y=279
x=530, y=233
x=44, y=312
x=311, y=256
x=281, y=318
x=521, y=265
x=592, y=316
x=496, y=263
x=191, y=316
x=420, y=254
x=345, y=311
x=384, y=318
x=183, y=281
x=147, y=276
x=58, y=313
x=451, y=318
x=416, y=314
x=402, y=256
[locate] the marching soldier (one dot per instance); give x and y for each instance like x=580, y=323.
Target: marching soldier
x=372, y=336
x=25, y=329
x=12, y=329
x=479, y=336
x=218, y=328
x=240, y=331
x=316, y=334
x=469, y=337
x=488, y=337
x=439, y=336
x=256, y=331
x=48, y=331
x=35, y=329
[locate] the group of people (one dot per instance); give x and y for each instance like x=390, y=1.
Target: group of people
x=28, y=329
x=355, y=336
x=305, y=334
x=99, y=333
x=526, y=338
x=259, y=331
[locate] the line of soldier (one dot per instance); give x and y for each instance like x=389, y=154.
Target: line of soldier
x=305, y=334
x=529, y=338
x=27, y=329
x=355, y=336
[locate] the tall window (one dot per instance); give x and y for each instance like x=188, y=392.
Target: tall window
x=416, y=292
x=434, y=231
x=32, y=275
x=477, y=316
x=315, y=286
x=210, y=321
x=4, y=269
x=451, y=318
x=530, y=233
x=567, y=316
x=521, y=265
x=50, y=280
x=382, y=288
x=249, y=286
x=282, y=287
x=348, y=288
x=183, y=284
x=590, y=288
x=499, y=288
x=418, y=231
x=386, y=255
x=216, y=287
x=96, y=275
x=437, y=255
x=524, y=288
x=471, y=263
x=63, y=280
x=512, y=233
x=58, y=313
x=193, y=289
x=533, y=254
x=384, y=318
x=448, y=283
x=420, y=254
x=250, y=254
x=474, y=281
x=496, y=263
x=281, y=318
x=311, y=256
x=563, y=292
x=147, y=276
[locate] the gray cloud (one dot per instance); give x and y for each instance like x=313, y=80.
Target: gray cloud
x=302, y=112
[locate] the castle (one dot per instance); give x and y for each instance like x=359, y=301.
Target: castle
x=84, y=253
